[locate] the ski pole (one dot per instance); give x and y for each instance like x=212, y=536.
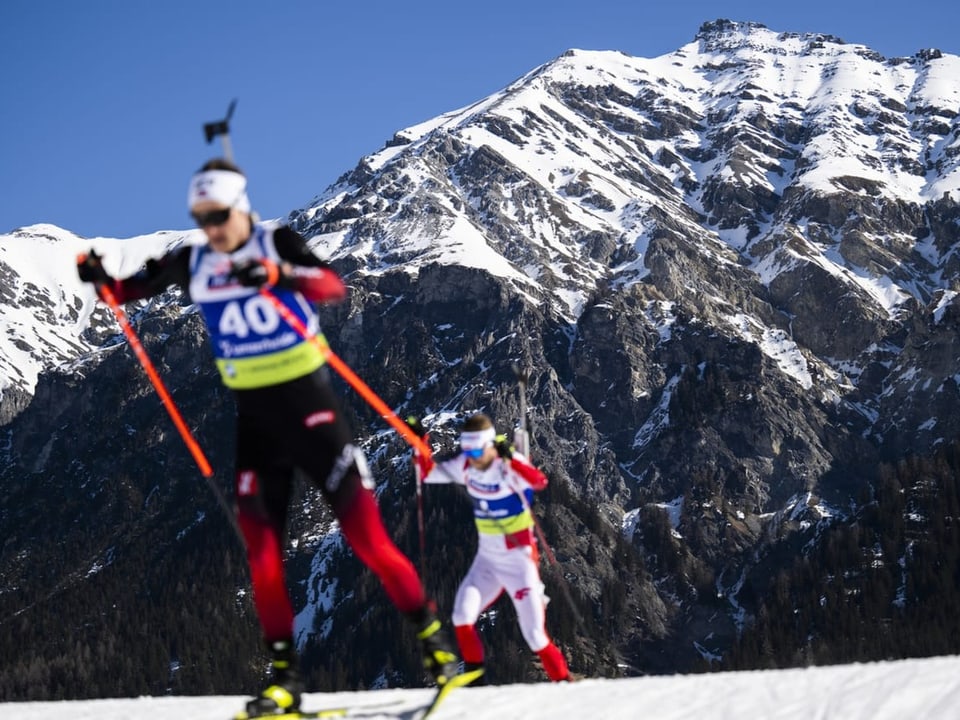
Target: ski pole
x=192, y=445
x=420, y=524
x=349, y=375
x=414, y=423
x=524, y=440
x=562, y=581
x=536, y=524
x=521, y=439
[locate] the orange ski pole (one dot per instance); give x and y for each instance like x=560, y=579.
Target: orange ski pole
x=192, y=445
x=349, y=375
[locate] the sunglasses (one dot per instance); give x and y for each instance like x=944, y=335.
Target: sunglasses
x=213, y=217
x=473, y=453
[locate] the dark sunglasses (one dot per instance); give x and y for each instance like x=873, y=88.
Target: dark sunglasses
x=474, y=453
x=213, y=217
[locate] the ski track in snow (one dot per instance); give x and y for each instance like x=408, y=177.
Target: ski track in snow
x=919, y=689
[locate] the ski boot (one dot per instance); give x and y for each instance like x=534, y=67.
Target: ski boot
x=282, y=694
x=439, y=657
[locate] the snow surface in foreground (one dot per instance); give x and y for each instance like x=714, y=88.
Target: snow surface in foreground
x=902, y=690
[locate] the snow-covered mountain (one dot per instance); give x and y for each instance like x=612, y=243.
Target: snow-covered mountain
x=731, y=272
x=47, y=311
x=797, y=172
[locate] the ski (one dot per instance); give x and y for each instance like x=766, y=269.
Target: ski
x=299, y=715
x=457, y=681
x=341, y=711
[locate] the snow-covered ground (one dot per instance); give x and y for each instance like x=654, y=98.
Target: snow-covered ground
x=902, y=690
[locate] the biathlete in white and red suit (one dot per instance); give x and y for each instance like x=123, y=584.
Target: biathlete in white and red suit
x=288, y=416
x=501, y=484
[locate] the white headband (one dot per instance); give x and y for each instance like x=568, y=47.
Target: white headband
x=477, y=440
x=221, y=186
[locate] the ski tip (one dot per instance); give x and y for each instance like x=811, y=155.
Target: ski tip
x=457, y=681
x=466, y=678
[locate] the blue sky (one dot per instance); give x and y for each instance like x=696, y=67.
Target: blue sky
x=102, y=102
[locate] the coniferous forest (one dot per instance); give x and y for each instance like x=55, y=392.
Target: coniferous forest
x=884, y=584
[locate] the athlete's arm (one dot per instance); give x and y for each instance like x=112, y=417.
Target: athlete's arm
x=313, y=278
x=156, y=276
x=522, y=467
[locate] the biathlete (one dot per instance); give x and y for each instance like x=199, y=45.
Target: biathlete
x=501, y=484
x=287, y=413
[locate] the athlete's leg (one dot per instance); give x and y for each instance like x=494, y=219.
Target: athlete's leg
x=262, y=492
x=478, y=590
x=554, y=664
x=363, y=528
x=522, y=581
x=354, y=504
x=321, y=445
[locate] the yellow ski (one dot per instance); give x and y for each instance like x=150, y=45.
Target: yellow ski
x=453, y=683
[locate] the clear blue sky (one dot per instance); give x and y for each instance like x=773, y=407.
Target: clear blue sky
x=102, y=102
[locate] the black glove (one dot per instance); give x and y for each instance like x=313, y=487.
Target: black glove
x=503, y=447
x=90, y=269
x=260, y=273
x=414, y=424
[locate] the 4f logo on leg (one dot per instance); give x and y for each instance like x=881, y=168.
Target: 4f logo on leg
x=521, y=593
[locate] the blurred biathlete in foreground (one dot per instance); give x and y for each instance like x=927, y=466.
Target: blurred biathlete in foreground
x=287, y=414
x=501, y=484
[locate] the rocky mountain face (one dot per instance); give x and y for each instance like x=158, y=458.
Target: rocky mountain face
x=731, y=273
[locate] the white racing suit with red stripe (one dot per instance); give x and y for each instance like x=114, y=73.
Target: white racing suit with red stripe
x=507, y=556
